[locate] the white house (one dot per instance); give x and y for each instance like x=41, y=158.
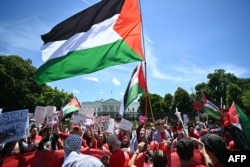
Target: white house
x=111, y=107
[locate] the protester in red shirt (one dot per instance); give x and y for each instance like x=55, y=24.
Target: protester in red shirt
x=215, y=146
x=75, y=130
x=192, y=132
x=185, y=151
x=117, y=159
x=162, y=136
x=102, y=143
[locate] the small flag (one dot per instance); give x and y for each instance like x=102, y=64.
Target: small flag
x=137, y=85
x=211, y=109
x=72, y=106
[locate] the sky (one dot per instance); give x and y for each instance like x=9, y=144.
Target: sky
x=184, y=40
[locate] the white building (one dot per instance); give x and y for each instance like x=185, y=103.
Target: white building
x=112, y=107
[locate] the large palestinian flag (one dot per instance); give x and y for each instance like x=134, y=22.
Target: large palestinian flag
x=105, y=34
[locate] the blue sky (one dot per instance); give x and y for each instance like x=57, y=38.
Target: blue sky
x=184, y=41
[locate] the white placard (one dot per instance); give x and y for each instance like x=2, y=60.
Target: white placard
x=40, y=114
x=50, y=113
x=14, y=125
x=111, y=126
x=125, y=125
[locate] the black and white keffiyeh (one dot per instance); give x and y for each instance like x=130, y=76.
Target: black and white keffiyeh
x=72, y=143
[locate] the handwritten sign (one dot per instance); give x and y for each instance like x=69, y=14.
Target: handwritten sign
x=125, y=125
x=111, y=126
x=14, y=125
x=77, y=118
x=40, y=114
x=50, y=113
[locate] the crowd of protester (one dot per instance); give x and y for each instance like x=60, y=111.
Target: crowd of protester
x=157, y=145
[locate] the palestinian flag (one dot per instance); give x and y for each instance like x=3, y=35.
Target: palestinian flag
x=105, y=34
x=72, y=106
x=237, y=118
x=210, y=108
x=137, y=85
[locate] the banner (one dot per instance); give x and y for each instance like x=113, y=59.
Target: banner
x=14, y=125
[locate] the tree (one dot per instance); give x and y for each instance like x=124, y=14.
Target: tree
x=182, y=101
x=154, y=102
x=54, y=97
x=234, y=93
x=199, y=88
x=168, y=101
x=218, y=81
x=18, y=89
x=246, y=99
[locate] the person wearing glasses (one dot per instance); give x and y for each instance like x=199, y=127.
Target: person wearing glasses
x=162, y=136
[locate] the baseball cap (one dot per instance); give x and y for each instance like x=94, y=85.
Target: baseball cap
x=76, y=127
x=113, y=139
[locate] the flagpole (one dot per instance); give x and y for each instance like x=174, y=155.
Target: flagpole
x=147, y=99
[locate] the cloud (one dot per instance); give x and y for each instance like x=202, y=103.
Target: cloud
x=91, y=79
x=152, y=61
x=183, y=69
x=116, y=82
x=75, y=91
x=87, y=2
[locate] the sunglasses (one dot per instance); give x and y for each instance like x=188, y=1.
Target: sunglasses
x=160, y=124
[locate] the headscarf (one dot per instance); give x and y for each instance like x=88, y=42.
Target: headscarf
x=72, y=143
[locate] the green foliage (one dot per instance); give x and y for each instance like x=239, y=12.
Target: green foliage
x=217, y=84
x=168, y=98
x=156, y=103
x=182, y=101
x=246, y=99
x=18, y=89
x=234, y=93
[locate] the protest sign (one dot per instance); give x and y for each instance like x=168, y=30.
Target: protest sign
x=111, y=126
x=89, y=112
x=185, y=119
x=51, y=110
x=102, y=123
x=14, y=125
x=40, y=114
x=125, y=125
x=77, y=118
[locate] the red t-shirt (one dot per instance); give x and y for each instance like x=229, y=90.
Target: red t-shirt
x=163, y=136
x=117, y=159
x=196, y=161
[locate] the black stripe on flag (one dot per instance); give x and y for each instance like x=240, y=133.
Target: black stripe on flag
x=83, y=21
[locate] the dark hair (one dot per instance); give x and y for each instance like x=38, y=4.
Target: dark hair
x=215, y=144
x=185, y=148
x=160, y=159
